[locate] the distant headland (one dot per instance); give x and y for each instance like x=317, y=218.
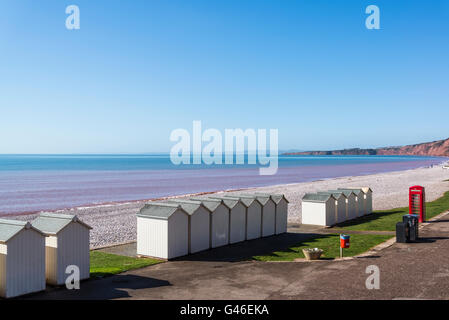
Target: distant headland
x=438, y=148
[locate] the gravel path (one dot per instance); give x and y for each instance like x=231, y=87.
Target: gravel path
x=116, y=223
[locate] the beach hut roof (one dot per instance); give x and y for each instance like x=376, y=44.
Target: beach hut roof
x=247, y=202
x=261, y=198
x=355, y=190
x=229, y=202
x=209, y=203
x=9, y=228
x=53, y=223
x=159, y=210
x=318, y=197
x=276, y=197
x=365, y=189
x=334, y=193
x=189, y=206
x=346, y=192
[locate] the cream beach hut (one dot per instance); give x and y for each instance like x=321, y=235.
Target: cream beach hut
x=268, y=213
x=352, y=208
x=341, y=203
x=281, y=211
x=360, y=200
x=66, y=244
x=162, y=231
x=253, y=216
x=318, y=209
x=237, y=219
x=199, y=224
x=368, y=196
x=22, y=258
x=219, y=222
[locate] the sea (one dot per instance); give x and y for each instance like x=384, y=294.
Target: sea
x=33, y=183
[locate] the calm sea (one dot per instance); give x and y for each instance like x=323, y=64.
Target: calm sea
x=31, y=183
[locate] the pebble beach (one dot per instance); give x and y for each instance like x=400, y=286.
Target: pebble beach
x=115, y=223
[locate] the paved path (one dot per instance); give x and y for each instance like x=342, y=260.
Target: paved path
x=418, y=270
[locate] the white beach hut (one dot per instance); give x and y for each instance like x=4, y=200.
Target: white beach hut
x=237, y=219
x=22, y=258
x=162, y=231
x=199, y=224
x=341, y=203
x=359, y=198
x=66, y=243
x=219, y=222
x=318, y=209
x=368, y=197
x=268, y=213
x=352, y=208
x=253, y=216
x=281, y=219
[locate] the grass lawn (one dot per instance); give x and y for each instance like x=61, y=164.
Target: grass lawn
x=103, y=264
x=386, y=220
x=330, y=243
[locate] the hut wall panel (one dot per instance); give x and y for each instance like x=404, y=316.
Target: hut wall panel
x=152, y=237
x=281, y=216
x=178, y=235
x=238, y=223
x=269, y=218
x=25, y=265
x=254, y=221
x=200, y=230
x=73, y=249
x=220, y=226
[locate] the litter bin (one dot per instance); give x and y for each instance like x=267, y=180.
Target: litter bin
x=412, y=221
x=402, y=232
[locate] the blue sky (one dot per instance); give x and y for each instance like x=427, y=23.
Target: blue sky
x=136, y=70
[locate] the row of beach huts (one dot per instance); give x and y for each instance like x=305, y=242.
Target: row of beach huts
x=327, y=208
x=178, y=227
x=36, y=253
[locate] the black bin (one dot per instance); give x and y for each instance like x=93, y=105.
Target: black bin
x=402, y=232
x=412, y=221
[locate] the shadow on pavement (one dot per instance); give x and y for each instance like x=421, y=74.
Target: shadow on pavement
x=112, y=287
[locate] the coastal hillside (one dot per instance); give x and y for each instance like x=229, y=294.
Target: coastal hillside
x=435, y=148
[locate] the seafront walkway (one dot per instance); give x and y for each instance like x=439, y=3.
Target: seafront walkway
x=407, y=271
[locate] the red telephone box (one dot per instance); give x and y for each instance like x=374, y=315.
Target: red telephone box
x=417, y=202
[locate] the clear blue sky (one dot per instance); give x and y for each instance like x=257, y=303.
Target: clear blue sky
x=136, y=70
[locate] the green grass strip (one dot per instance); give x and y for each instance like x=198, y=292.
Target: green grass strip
x=104, y=264
x=330, y=243
x=386, y=220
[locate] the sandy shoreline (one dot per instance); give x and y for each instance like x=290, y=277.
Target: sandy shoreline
x=115, y=223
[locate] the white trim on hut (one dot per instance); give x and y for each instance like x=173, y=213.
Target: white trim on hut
x=341, y=205
x=22, y=258
x=360, y=199
x=281, y=203
x=66, y=243
x=162, y=231
x=219, y=223
x=253, y=216
x=268, y=213
x=368, y=195
x=352, y=208
x=199, y=224
x=237, y=219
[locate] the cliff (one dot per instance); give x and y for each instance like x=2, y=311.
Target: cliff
x=435, y=148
